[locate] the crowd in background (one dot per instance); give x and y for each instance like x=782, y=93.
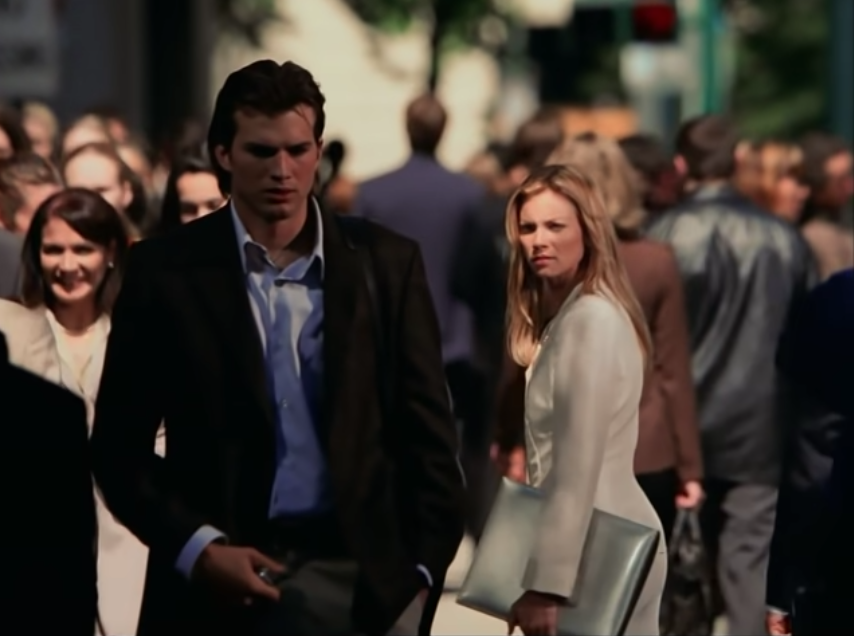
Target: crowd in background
x=707, y=426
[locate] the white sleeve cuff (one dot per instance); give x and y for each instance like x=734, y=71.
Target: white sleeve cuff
x=194, y=548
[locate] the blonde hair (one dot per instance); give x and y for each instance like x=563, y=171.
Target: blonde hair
x=606, y=164
x=600, y=269
x=763, y=166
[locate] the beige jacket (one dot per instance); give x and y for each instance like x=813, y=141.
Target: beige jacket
x=30, y=340
x=581, y=428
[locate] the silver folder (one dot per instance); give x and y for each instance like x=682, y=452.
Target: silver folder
x=616, y=561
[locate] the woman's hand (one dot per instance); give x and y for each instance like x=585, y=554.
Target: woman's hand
x=777, y=623
x=535, y=614
x=691, y=495
x=510, y=463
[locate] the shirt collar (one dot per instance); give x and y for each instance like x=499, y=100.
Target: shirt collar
x=244, y=238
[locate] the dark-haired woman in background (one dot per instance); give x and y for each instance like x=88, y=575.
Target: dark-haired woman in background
x=191, y=190
x=73, y=258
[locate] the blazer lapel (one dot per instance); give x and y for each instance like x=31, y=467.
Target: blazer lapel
x=342, y=285
x=220, y=284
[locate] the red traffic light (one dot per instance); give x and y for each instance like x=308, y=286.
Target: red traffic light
x=654, y=20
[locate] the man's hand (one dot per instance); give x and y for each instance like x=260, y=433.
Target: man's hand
x=233, y=572
x=691, y=495
x=510, y=463
x=777, y=623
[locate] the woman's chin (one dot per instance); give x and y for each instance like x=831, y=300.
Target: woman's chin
x=71, y=297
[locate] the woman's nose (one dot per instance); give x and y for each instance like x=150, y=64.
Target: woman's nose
x=67, y=263
x=539, y=238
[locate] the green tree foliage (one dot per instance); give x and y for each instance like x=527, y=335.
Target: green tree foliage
x=452, y=21
x=782, y=66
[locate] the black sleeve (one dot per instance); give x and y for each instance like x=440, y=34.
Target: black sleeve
x=429, y=441
x=129, y=410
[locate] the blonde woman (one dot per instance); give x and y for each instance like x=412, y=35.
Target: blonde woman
x=668, y=459
x=575, y=324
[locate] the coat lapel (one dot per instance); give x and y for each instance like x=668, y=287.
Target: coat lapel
x=220, y=284
x=342, y=285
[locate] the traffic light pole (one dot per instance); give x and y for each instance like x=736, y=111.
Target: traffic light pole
x=709, y=19
x=842, y=82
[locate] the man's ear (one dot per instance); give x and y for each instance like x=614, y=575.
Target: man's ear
x=681, y=165
x=223, y=158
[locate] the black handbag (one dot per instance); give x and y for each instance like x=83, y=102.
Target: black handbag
x=687, y=608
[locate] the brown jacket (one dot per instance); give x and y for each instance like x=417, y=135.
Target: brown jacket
x=669, y=435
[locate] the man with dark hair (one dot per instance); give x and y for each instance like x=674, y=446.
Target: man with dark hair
x=829, y=173
x=656, y=171
x=310, y=483
x=744, y=272
x=430, y=204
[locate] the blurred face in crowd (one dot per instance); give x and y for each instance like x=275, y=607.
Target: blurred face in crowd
x=73, y=267
x=839, y=187
x=6, y=149
x=199, y=195
x=117, y=129
x=138, y=163
x=551, y=236
x=32, y=196
x=790, y=196
x=40, y=136
x=665, y=189
x=83, y=135
x=273, y=161
x=101, y=174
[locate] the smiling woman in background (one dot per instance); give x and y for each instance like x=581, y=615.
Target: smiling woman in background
x=73, y=259
x=191, y=191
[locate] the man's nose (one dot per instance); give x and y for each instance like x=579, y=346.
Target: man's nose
x=281, y=165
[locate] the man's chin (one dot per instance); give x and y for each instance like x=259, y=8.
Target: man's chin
x=277, y=212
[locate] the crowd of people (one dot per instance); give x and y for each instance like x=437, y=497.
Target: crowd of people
x=300, y=391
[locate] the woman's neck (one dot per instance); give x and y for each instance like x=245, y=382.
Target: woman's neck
x=77, y=318
x=555, y=292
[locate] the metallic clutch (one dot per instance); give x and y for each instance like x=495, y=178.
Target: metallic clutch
x=616, y=561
